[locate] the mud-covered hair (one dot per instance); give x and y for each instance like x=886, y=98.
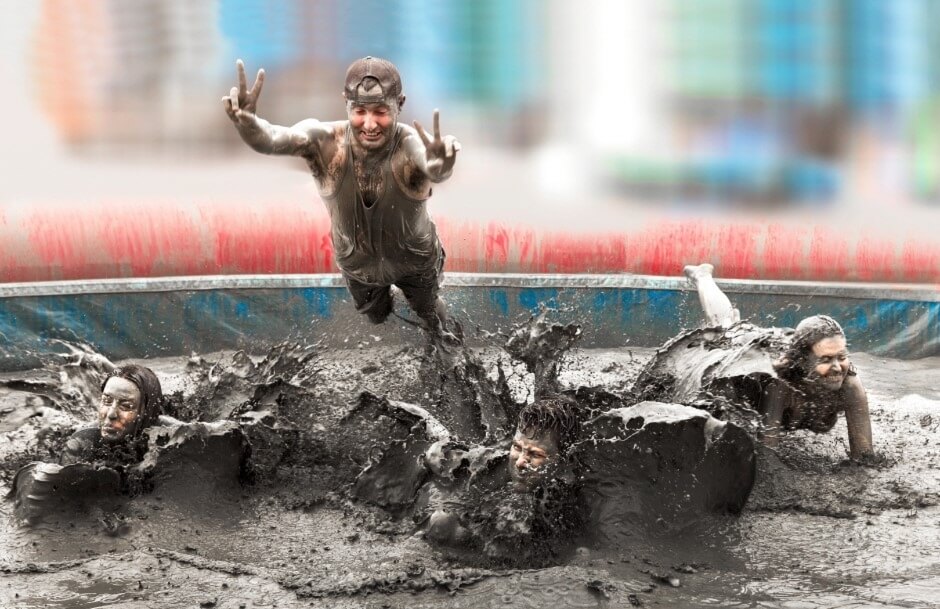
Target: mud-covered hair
x=554, y=414
x=792, y=364
x=151, y=393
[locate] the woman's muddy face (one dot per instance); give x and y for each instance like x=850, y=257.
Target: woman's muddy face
x=531, y=457
x=118, y=409
x=829, y=363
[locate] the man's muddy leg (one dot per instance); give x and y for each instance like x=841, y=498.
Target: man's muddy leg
x=375, y=302
x=716, y=306
x=440, y=308
x=422, y=295
x=382, y=309
x=436, y=320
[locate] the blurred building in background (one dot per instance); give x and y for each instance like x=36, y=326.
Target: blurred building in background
x=770, y=98
x=702, y=102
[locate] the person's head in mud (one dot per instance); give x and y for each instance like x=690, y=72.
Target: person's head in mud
x=131, y=401
x=546, y=430
x=817, y=356
x=373, y=101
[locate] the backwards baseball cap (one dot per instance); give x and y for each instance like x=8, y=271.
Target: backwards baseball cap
x=372, y=80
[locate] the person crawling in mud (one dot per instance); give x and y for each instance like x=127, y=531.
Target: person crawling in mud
x=514, y=504
x=375, y=176
x=794, y=379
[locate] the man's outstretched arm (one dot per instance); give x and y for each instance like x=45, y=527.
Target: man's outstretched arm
x=241, y=104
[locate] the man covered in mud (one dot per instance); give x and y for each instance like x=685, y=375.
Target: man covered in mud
x=517, y=505
x=375, y=176
x=794, y=379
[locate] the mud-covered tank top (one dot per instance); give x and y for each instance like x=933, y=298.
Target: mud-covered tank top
x=390, y=240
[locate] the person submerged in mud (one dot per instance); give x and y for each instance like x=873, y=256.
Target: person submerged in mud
x=518, y=504
x=546, y=430
x=799, y=379
x=131, y=449
x=131, y=401
x=94, y=466
x=375, y=176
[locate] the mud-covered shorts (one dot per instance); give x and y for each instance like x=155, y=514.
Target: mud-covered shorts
x=420, y=290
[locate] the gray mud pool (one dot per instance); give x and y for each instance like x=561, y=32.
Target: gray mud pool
x=818, y=530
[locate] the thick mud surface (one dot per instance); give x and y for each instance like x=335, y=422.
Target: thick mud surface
x=817, y=531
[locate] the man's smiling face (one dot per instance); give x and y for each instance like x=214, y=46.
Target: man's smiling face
x=372, y=124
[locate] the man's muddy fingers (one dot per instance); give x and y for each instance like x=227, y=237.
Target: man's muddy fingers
x=422, y=134
x=233, y=97
x=451, y=146
x=437, y=125
x=256, y=88
x=229, y=109
x=242, y=79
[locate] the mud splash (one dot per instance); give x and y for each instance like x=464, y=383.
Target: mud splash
x=460, y=493
x=862, y=535
x=541, y=344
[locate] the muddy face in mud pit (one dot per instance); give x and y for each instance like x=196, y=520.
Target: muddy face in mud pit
x=817, y=356
x=828, y=363
x=532, y=458
x=118, y=409
x=544, y=433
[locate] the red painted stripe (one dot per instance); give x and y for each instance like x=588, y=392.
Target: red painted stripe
x=784, y=251
x=107, y=239
x=828, y=254
x=874, y=258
